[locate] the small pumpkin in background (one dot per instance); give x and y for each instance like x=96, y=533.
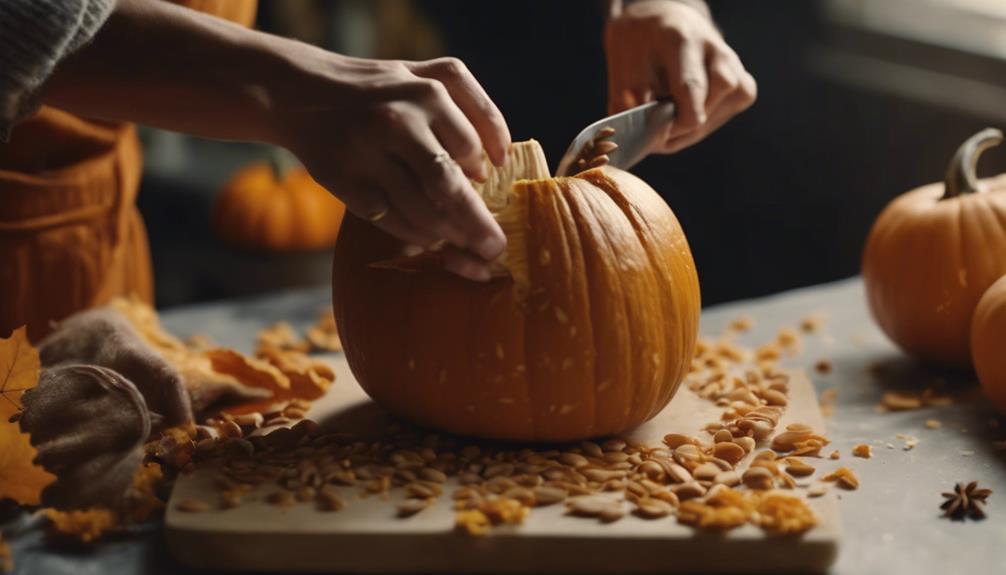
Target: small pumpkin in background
x=988, y=336
x=587, y=331
x=277, y=207
x=933, y=252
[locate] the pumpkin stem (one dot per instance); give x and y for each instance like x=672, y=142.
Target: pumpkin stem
x=282, y=161
x=961, y=178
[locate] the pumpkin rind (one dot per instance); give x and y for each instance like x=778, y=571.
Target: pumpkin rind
x=928, y=260
x=597, y=345
x=988, y=333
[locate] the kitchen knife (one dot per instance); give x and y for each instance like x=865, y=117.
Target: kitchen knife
x=637, y=131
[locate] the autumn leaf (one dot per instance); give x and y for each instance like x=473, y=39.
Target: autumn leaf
x=20, y=479
x=253, y=373
x=309, y=379
x=19, y=367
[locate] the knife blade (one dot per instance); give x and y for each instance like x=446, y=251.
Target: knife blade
x=637, y=131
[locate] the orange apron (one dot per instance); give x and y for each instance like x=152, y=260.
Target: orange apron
x=70, y=234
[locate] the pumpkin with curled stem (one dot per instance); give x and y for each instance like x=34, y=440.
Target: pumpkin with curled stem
x=277, y=207
x=588, y=333
x=988, y=332
x=933, y=252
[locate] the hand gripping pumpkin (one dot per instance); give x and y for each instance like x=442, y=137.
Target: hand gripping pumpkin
x=988, y=335
x=588, y=334
x=933, y=252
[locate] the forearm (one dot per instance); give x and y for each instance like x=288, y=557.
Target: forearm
x=166, y=66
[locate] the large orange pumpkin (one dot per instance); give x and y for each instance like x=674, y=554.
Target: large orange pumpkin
x=933, y=252
x=988, y=334
x=277, y=207
x=590, y=333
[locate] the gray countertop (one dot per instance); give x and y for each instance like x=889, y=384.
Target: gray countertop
x=891, y=524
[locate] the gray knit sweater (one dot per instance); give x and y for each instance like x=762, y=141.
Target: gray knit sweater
x=34, y=36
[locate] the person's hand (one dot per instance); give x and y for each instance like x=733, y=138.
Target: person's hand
x=658, y=48
x=397, y=141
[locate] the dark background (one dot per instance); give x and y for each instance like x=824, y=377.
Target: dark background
x=849, y=115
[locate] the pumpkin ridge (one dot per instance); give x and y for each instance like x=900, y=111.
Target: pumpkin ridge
x=544, y=197
x=662, y=276
x=566, y=189
x=602, y=182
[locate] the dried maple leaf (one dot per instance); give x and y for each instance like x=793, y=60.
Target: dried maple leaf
x=281, y=337
x=309, y=379
x=251, y=372
x=20, y=479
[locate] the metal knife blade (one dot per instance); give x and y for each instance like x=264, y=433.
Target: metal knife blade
x=637, y=132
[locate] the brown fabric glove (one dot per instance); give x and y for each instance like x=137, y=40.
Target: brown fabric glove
x=104, y=337
x=89, y=425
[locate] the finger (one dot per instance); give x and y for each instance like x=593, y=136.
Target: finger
x=464, y=264
x=455, y=133
x=724, y=78
x=473, y=101
x=396, y=225
x=686, y=79
x=720, y=116
x=444, y=184
x=406, y=195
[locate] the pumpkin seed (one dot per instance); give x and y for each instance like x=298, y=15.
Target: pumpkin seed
x=728, y=478
x=653, y=508
x=747, y=443
x=798, y=467
x=434, y=475
x=729, y=451
x=706, y=471
x=614, y=444
x=722, y=435
x=688, y=490
x=410, y=507
x=587, y=505
x=679, y=473
x=758, y=478
x=573, y=459
x=522, y=494
x=774, y=397
x=545, y=495
x=675, y=440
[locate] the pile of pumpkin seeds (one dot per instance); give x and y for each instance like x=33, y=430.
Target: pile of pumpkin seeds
x=700, y=481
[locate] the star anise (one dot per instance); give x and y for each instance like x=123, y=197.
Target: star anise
x=965, y=501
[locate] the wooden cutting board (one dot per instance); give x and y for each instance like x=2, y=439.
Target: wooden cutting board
x=367, y=537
